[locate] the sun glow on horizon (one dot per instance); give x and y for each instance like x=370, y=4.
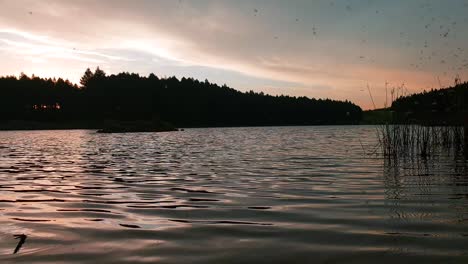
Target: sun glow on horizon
x=307, y=49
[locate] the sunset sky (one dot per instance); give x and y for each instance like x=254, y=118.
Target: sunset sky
x=321, y=49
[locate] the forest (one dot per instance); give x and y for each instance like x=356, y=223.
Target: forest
x=447, y=106
x=185, y=103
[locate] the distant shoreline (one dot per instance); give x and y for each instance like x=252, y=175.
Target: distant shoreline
x=102, y=127
x=19, y=125
x=37, y=125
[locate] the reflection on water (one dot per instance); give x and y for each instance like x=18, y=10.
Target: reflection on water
x=226, y=195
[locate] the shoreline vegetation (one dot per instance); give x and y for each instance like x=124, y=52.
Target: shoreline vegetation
x=138, y=103
x=438, y=107
x=414, y=141
x=128, y=102
x=424, y=125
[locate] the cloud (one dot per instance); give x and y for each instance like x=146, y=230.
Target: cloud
x=307, y=45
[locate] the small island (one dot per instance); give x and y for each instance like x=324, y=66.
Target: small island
x=136, y=126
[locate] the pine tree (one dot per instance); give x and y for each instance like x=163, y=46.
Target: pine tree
x=99, y=73
x=88, y=75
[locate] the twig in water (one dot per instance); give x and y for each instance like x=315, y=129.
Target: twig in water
x=22, y=238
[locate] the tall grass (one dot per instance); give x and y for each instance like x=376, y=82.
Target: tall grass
x=408, y=140
x=418, y=141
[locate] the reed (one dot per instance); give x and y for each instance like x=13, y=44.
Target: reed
x=410, y=140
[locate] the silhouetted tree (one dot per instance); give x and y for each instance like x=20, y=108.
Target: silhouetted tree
x=98, y=73
x=88, y=75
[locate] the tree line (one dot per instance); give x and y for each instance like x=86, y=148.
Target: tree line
x=447, y=106
x=185, y=103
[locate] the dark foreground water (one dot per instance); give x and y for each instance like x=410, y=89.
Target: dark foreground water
x=226, y=195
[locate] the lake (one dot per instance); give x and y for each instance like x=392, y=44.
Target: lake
x=226, y=195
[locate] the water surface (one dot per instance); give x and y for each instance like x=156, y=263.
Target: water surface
x=226, y=195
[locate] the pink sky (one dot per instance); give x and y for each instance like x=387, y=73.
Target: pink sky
x=321, y=49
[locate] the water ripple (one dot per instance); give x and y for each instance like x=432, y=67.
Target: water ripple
x=224, y=195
